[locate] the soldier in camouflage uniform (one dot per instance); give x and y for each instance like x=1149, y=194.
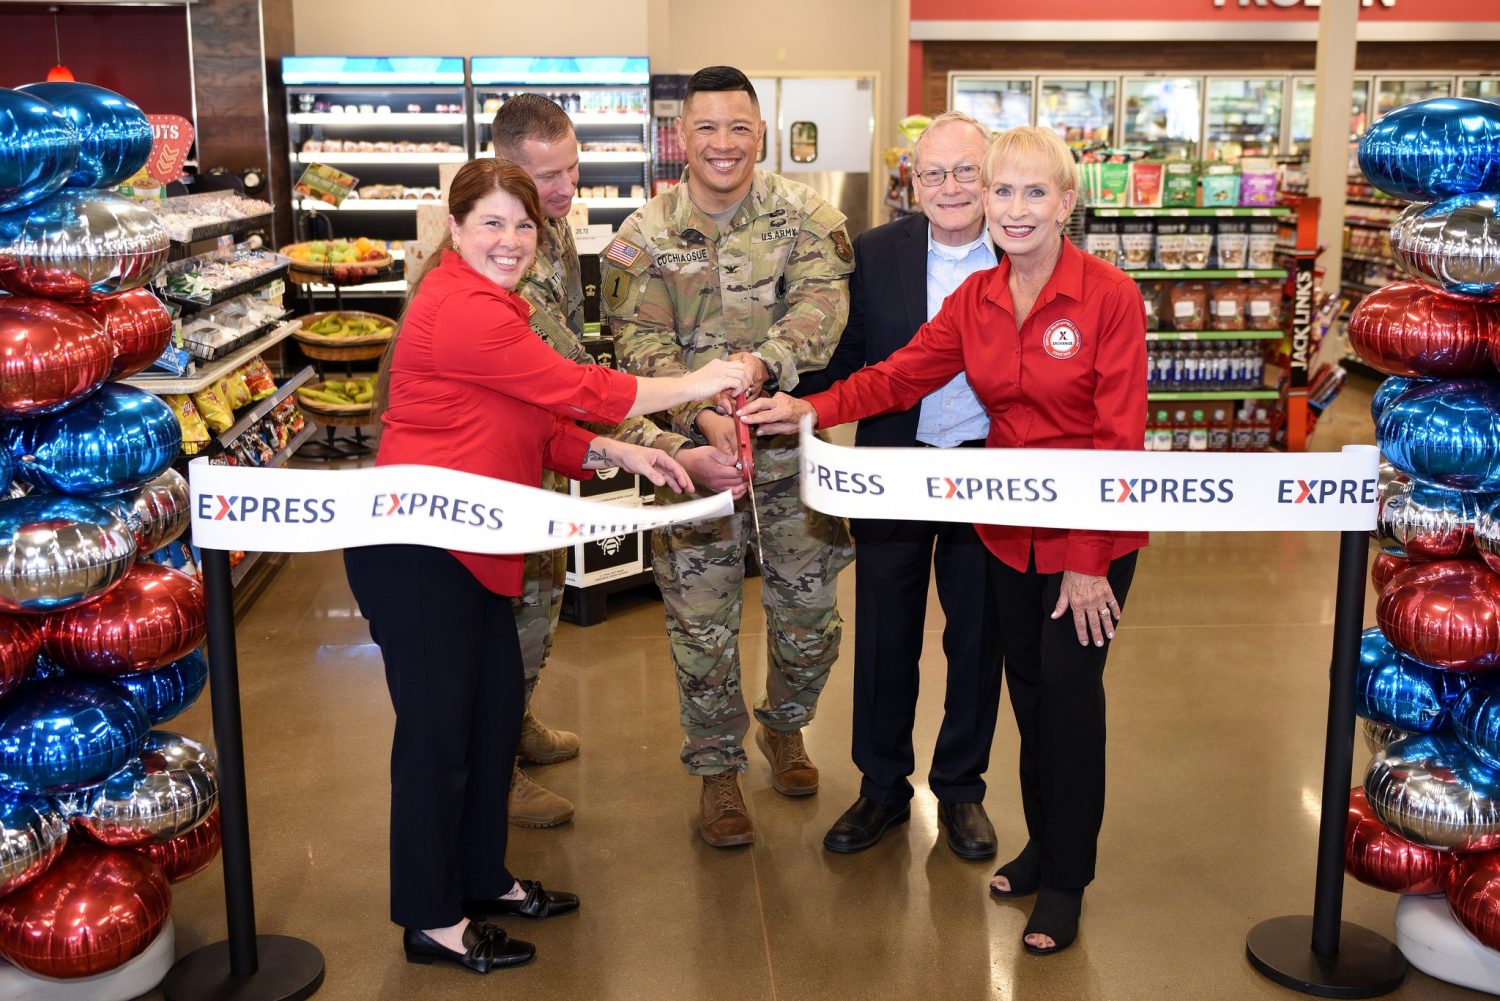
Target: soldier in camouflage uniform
x=537, y=135
x=736, y=262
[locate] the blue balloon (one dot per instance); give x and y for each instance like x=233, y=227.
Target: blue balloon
x=118, y=439
x=1453, y=244
x=167, y=691
x=1434, y=149
x=1390, y=388
x=71, y=732
x=1399, y=691
x=1476, y=720
x=7, y=471
x=38, y=149
x=114, y=134
x=1446, y=433
x=45, y=669
x=59, y=551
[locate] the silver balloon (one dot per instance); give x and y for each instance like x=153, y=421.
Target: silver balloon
x=1431, y=791
x=1453, y=244
x=80, y=243
x=156, y=513
x=59, y=551
x=1487, y=533
x=1379, y=736
x=169, y=790
x=32, y=834
x=1425, y=521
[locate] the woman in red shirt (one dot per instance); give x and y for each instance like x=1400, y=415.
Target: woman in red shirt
x=467, y=385
x=1053, y=342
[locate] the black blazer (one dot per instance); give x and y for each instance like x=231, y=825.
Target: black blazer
x=887, y=304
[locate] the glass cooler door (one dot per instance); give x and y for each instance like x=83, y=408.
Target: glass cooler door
x=999, y=102
x=1487, y=88
x=1397, y=92
x=1244, y=117
x=1164, y=114
x=1081, y=111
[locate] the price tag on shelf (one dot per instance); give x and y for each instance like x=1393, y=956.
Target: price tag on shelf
x=1178, y=212
x=1223, y=212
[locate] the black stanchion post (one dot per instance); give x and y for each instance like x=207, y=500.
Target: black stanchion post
x=247, y=967
x=1324, y=955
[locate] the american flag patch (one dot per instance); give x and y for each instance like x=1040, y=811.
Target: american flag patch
x=622, y=253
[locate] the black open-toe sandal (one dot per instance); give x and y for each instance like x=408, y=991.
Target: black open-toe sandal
x=1056, y=916
x=1024, y=872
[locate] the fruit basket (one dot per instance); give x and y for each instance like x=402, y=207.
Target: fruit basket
x=338, y=396
x=345, y=328
x=338, y=261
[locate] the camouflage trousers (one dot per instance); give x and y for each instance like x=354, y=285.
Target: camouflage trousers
x=537, y=609
x=700, y=569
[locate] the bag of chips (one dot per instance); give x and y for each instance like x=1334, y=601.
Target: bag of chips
x=258, y=378
x=214, y=408
x=194, y=433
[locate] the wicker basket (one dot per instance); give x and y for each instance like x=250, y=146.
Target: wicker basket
x=320, y=407
x=306, y=336
x=307, y=271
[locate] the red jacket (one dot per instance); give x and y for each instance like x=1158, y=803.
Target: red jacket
x=474, y=389
x=1073, y=376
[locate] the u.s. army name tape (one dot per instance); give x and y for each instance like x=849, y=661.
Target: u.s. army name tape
x=307, y=510
x=1119, y=491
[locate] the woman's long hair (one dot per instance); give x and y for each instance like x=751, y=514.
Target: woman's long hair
x=474, y=181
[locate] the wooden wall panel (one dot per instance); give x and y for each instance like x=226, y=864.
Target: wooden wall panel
x=280, y=40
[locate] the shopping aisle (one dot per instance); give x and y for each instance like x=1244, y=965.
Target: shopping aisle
x=1217, y=689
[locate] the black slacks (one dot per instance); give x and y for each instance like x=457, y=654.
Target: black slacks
x=453, y=666
x=893, y=563
x=1057, y=691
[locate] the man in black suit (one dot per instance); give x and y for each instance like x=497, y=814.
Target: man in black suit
x=902, y=272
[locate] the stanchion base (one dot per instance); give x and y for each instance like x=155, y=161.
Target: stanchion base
x=290, y=969
x=1365, y=966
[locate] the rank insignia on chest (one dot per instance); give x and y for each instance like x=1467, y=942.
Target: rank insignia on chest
x=622, y=253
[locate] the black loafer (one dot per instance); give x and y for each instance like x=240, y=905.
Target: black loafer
x=970, y=833
x=486, y=948
x=538, y=903
x=863, y=824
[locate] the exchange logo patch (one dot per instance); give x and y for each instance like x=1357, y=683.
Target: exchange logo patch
x=1062, y=339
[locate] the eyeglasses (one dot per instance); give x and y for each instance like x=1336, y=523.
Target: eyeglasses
x=963, y=175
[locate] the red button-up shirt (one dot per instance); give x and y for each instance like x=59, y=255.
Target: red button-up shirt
x=1072, y=376
x=473, y=388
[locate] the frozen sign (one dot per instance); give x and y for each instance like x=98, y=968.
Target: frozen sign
x=1295, y=3
x=171, y=138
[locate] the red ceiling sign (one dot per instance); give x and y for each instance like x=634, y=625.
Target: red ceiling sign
x=172, y=137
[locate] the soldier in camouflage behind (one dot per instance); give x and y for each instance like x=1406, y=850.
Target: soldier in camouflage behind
x=535, y=134
x=736, y=262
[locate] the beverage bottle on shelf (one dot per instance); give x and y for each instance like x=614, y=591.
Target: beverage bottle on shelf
x=1241, y=435
x=1150, y=442
x=1219, y=367
x=1191, y=377
x=1255, y=363
x=1219, y=430
x=1261, y=430
x=1179, y=368
x=1163, y=433
x=1198, y=433
x=1234, y=376
x=1180, y=431
x=1162, y=377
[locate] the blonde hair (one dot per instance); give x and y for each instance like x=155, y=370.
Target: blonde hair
x=1034, y=145
x=947, y=118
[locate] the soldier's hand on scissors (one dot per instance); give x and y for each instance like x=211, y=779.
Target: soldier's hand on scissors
x=720, y=433
x=779, y=414
x=712, y=470
x=757, y=373
x=652, y=463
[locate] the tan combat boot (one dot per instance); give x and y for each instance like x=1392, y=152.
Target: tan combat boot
x=723, y=819
x=541, y=745
x=792, y=771
x=533, y=806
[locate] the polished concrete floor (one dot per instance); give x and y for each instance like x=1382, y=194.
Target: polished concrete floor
x=1217, y=687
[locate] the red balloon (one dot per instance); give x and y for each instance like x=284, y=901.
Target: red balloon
x=50, y=355
x=1386, y=566
x=1445, y=613
x=137, y=324
x=93, y=910
x=1473, y=890
x=1377, y=856
x=20, y=642
x=152, y=617
x=187, y=854
x=1412, y=329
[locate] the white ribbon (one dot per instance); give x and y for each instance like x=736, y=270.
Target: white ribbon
x=1087, y=489
x=307, y=510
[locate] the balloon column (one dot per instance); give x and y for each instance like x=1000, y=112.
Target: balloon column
x=99, y=813
x=1427, y=819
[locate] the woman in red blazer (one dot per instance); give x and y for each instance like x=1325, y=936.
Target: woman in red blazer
x=1054, y=343
x=467, y=385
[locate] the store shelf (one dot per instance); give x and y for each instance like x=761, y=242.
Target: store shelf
x=1362, y=288
x=265, y=406
x=229, y=291
x=1191, y=212
x=367, y=205
x=456, y=156
x=1215, y=394
x=397, y=287
x=1368, y=223
x=1380, y=203
x=585, y=117
x=1216, y=335
x=297, y=440
x=214, y=230
x=1368, y=258
x=613, y=203
x=1158, y=275
x=388, y=118
x=211, y=372
x=631, y=156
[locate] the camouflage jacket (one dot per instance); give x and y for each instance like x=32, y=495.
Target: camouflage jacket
x=554, y=289
x=678, y=292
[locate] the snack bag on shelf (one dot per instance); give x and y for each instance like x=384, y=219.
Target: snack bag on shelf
x=1179, y=184
x=1221, y=185
x=194, y=432
x=234, y=391
x=1227, y=306
x=216, y=411
x=1263, y=306
x=1146, y=183
x=1259, y=182
x=258, y=378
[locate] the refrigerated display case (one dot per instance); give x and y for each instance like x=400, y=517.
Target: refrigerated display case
x=609, y=100
x=1482, y=87
x=1080, y=110
x=1304, y=110
x=1243, y=117
x=1394, y=92
x=999, y=101
x=1163, y=115
x=390, y=122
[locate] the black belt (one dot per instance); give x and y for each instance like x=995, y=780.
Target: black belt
x=971, y=443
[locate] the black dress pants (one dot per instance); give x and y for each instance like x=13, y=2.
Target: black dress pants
x=453, y=666
x=1057, y=691
x=893, y=563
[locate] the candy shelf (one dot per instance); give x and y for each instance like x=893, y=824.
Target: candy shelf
x=264, y=407
x=211, y=372
x=1194, y=212
x=1215, y=335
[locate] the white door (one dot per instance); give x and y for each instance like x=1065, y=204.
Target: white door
x=827, y=125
